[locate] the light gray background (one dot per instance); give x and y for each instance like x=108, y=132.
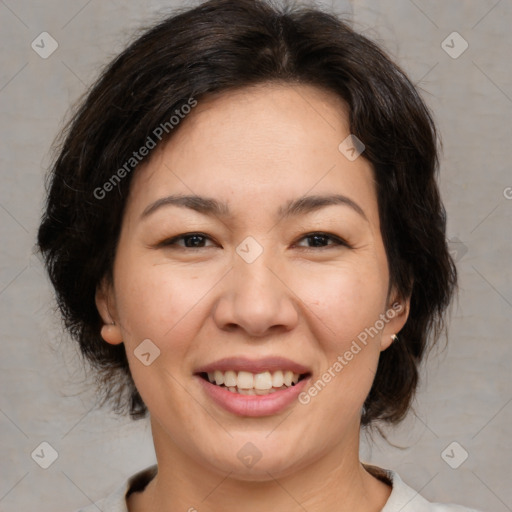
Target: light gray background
x=466, y=393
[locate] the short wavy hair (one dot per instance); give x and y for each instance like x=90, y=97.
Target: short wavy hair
x=215, y=47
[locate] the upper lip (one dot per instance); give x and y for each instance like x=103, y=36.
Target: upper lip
x=253, y=365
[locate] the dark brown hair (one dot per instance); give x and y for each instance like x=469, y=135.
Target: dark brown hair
x=222, y=45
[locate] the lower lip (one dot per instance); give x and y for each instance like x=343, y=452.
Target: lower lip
x=253, y=405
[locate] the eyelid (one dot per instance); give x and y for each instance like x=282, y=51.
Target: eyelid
x=337, y=239
x=169, y=242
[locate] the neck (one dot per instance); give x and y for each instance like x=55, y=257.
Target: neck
x=335, y=482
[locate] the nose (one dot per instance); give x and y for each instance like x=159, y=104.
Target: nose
x=255, y=299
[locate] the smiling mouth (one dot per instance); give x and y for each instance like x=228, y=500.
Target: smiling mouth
x=247, y=383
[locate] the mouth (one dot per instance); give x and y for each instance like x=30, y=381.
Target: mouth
x=248, y=383
x=253, y=387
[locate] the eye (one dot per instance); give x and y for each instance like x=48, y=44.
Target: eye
x=188, y=241
x=321, y=240
x=314, y=240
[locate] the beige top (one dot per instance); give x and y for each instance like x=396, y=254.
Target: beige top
x=401, y=499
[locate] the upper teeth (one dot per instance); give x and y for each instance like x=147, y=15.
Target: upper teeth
x=248, y=380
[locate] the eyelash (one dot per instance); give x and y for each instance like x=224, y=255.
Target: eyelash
x=173, y=241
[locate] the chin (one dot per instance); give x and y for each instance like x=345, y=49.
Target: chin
x=262, y=471
x=251, y=464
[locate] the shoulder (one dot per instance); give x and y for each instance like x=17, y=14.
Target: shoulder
x=405, y=499
x=116, y=502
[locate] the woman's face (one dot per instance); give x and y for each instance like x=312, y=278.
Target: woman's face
x=283, y=269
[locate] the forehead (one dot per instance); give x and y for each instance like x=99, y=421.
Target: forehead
x=261, y=143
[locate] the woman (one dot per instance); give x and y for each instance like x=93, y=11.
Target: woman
x=246, y=238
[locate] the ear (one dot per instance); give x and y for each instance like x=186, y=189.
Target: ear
x=396, y=315
x=105, y=303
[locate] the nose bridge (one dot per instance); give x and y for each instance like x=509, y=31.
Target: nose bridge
x=255, y=285
x=256, y=280
x=252, y=261
x=256, y=299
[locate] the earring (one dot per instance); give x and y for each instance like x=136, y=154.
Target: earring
x=394, y=337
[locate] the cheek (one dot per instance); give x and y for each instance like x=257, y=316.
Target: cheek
x=344, y=303
x=344, y=310
x=159, y=301
x=165, y=305
x=345, y=300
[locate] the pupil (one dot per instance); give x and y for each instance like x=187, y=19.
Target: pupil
x=318, y=240
x=193, y=241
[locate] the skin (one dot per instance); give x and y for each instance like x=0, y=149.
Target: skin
x=254, y=149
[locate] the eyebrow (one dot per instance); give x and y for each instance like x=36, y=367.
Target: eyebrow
x=209, y=206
